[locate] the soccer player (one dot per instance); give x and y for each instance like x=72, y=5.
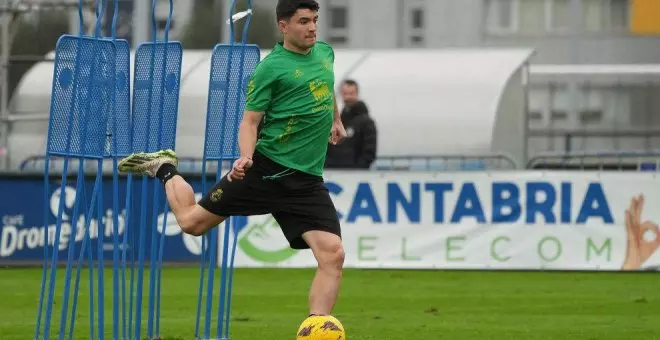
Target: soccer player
x=281, y=171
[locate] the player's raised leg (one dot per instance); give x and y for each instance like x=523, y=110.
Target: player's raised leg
x=329, y=253
x=191, y=217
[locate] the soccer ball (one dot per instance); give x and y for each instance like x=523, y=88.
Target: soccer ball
x=325, y=327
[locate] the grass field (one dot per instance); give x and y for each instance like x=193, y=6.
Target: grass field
x=389, y=305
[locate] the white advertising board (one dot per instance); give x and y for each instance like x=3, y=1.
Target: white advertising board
x=498, y=220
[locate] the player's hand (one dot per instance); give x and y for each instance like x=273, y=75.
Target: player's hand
x=238, y=170
x=337, y=134
x=639, y=249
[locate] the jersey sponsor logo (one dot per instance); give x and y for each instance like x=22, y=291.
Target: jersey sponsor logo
x=325, y=107
x=286, y=135
x=320, y=90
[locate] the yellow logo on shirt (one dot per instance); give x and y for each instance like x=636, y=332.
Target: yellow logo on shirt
x=299, y=73
x=327, y=64
x=286, y=135
x=250, y=88
x=320, y=90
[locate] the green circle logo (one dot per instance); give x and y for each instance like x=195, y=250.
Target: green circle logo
x=262, y=231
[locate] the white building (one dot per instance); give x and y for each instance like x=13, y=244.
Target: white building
x=458, y=102
x=594, y=83
x=561, y=31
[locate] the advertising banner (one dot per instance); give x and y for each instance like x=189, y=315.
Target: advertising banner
x=22, y=208
x=498, y=220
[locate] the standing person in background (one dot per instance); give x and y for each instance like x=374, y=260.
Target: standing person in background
x=358, y=150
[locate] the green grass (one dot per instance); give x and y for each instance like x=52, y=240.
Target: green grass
x=386, y=305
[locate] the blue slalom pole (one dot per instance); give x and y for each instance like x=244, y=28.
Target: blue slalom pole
x=85, y=248
x=223, y=315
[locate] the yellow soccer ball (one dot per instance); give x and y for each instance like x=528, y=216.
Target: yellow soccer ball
x=325, y=327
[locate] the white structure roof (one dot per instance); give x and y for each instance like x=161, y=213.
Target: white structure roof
x=605, y=74
x=424, y=102
x=617, y=69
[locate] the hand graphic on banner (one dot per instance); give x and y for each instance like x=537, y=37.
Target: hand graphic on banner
x=639, y=248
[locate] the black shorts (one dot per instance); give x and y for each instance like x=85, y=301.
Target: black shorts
x=298, y=201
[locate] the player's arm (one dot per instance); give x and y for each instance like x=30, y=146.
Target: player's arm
x=247, y=133
x=334, y=97
x=337, y=134
x=259, y=94
x=259, y=91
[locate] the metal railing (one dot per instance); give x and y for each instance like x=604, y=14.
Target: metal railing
x=483, y=162
x=580, y=161
x=36, y=164
x=571, y=137
x=594, y=160
x=477, y=162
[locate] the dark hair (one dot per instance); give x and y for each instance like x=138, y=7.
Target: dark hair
x=287, y=8
x=352, y=82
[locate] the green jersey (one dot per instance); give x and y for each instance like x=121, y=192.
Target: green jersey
x=295, y=91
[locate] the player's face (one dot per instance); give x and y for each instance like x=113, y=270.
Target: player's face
x=300, y=30
x=349, y=93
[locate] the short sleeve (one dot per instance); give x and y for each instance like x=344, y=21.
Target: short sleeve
x=329, y=50
x=332, y=53
x=260, y=88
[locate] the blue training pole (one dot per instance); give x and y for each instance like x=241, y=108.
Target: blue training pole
x=62, y=190
x=115, y=199
x=68, y=114
x=226, y=283
x=156, y=188
x=232, y=222
x=161, y=243
x=85, y=248
x=80, y=187
x=100, y=226
x=156, y=246
x=145, y=182
x=223, y=87
x=214, y=239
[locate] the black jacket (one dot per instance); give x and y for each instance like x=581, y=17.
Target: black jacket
x=358, y=150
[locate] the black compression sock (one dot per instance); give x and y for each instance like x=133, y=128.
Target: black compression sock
x=166, y=172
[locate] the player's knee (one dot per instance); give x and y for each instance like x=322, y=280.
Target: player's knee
x=332, y=256
x=197, y=221
x=191, y=227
